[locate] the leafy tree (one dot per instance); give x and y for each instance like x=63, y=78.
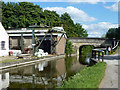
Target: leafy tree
x=86, y=52
x=68, y=48
x=0, y=11
x=24, y=14
x=72, y=30
x=52, y=18
x=113, y=33
x=80, y=31
x=66, y=19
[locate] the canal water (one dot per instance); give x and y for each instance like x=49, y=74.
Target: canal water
x=45, y=74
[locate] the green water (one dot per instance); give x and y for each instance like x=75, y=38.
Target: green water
x=85, y=54
x=45, y=74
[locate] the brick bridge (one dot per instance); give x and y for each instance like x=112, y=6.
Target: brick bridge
x=96, y=42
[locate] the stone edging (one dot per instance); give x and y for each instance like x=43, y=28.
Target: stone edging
x=33, y=62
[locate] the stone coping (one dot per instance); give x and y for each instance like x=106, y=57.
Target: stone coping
x=32, y=62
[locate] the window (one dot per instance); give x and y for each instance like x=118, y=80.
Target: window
x=2, y=45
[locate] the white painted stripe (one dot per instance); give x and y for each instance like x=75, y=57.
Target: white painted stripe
x=41, y=34
x=25, y=31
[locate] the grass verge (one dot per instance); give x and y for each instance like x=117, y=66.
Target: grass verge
x=16, y=60
x=116, y=50
x=89, y=77
x=10, y=60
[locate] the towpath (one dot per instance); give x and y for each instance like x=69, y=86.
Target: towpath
x=112, y=73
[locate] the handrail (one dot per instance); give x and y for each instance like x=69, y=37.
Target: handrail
x=116, y=45
x=94, y=53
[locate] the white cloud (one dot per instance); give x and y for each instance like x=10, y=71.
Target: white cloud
x=114, y=7
x=87, y=1
x=97, y=30
x=76, y=14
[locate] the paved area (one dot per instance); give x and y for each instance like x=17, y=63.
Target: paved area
x=7, y=57
x=111, y=79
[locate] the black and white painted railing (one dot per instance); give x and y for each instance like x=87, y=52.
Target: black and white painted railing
x=115, y=47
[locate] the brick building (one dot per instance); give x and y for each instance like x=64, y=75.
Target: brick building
x=19, y=38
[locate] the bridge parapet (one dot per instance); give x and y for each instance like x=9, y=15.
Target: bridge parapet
x=97, y=42
x=87, y=40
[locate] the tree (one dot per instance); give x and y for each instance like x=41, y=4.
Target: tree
x=113, y=33
x=80, y=31
x=52, y=18
x=72, y=30
x=66, y=19
x=68, y=48
x=24, y=14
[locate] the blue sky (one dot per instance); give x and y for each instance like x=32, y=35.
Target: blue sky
x=95, y=10
x=96, y=17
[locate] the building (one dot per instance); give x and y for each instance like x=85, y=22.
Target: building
x=53, y=39
x=4, y=41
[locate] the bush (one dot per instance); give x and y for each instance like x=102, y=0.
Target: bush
x=68, y=48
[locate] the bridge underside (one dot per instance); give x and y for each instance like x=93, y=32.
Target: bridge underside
x=78, y=45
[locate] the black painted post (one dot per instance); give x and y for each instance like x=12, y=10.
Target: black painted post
x=33, y=42
x=92, y=53
x=102, y=56
x=22, y=47
x=95, y=54
x=105, y=52
x=51, y=43
x=98, y=56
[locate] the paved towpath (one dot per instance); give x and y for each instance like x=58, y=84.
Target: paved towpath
x=110, y=79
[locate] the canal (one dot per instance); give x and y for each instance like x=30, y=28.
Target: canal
x=45, y=74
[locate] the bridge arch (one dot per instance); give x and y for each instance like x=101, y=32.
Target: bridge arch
x=77, y=46
x=81, y=47
x=96, y=42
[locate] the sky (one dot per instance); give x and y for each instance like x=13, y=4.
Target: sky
x=95, y=16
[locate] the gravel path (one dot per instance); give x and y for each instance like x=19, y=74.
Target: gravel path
x=110, y=79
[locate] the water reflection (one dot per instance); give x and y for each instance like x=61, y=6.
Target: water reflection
x=41, y=66
x=85, y=54
x=46, y=74
x=4, y=80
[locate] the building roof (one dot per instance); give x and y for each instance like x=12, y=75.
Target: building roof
x=39, y=32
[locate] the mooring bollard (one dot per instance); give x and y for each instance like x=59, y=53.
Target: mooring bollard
x=98, y=56
x=92, y=54
x=95, y=54
x=102, y=56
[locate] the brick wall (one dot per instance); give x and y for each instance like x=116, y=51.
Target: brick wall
x=60, y=49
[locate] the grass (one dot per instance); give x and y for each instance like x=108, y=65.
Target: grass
x=10, y=60
x=25, y=85
x=115, y=51
x=15, y=60
x=89, y=77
